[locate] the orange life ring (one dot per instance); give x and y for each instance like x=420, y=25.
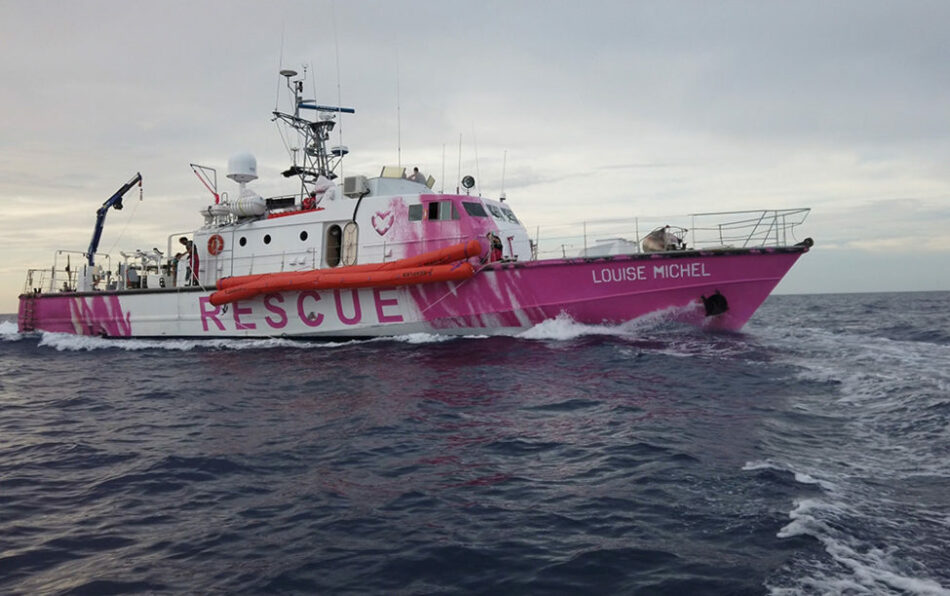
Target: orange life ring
x=215, y=244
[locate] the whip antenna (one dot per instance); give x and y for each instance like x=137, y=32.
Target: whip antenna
x=280, y=66
x=478, y=175
x=457, y=180
x=504, y=162
x=398, y=118
x=339, y=89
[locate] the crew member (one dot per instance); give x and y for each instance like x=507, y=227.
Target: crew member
x=417, y=176
x=495, y=246
x=191, y=274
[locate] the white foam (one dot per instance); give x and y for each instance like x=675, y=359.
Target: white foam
x=65, y=342
x=9, y=331
x=760, y=465
x=563, y=328
x=418, y=338
x=851, y=358
x=871, y=570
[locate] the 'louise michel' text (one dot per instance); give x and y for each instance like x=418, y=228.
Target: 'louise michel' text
x=644, y=272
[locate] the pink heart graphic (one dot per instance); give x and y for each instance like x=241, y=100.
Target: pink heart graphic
x=382, y=221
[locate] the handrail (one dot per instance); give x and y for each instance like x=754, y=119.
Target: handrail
x=721, y=229
x=590, y=239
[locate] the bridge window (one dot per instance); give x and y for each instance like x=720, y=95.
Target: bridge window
x=510, y=214
x=442, y=211
x=474, y=209
x=415, y=212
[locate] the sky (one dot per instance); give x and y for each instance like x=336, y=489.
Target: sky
x=582, y=110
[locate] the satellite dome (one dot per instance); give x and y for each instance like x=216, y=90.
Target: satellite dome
x=242, y=168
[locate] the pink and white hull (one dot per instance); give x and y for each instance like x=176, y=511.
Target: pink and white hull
x=500, y=299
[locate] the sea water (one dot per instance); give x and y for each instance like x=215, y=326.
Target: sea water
x=809, y=454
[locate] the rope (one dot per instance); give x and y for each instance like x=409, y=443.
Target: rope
x=127, y=222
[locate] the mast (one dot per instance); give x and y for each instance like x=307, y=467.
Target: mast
x=316, y=159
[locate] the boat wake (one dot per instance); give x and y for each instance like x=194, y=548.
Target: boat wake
x=561, y=328
x=564, y=328
x=879, y=406
x=64, y=342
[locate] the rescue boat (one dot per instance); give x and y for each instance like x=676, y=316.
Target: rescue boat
x=359, y=256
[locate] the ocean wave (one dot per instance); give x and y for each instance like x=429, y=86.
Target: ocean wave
x=9, y=331
x=800, y=477
x=862, y=567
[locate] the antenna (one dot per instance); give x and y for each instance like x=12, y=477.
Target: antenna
x=398, y=118
x=339, y=92
x=478, y=174
x=504, y=162
x=316, y=160
x=442, y=180
x=460, y=165
x=280, y=67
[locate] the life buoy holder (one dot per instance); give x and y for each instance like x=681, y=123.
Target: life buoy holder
x=215, y=244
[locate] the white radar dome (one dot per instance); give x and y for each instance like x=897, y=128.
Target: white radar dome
x=242, y=168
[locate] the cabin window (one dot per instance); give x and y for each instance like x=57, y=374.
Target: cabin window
x=496, y=212
x=510, y=215
x=474, y=209
x=442, y=211
x=303, y=236
x=415, y=212
x=242, y=241
x=266, y=238
x=334, y=241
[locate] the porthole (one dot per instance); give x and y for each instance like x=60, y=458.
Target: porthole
x=266, y=238
x=242, y=241
x=303, y=236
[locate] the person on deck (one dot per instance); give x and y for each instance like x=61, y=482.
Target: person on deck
x=495, y=247
x=417, y=176
x=192, y=263
x=191, y=275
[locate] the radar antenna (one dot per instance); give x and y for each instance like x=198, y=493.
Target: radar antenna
x=316, y=160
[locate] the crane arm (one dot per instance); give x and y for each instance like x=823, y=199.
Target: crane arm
x=113, y=201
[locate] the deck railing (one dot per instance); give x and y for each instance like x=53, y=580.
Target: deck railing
x=61, y=276
x=727, y=229
x=701, y=231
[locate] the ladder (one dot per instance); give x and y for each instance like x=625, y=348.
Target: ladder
x=27, y=321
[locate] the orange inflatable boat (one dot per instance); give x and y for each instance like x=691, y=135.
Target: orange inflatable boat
x=425, y=268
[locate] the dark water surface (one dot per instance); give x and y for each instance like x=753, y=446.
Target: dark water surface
x=809, y=454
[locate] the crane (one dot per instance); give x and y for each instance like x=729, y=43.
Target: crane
x=113, y=201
